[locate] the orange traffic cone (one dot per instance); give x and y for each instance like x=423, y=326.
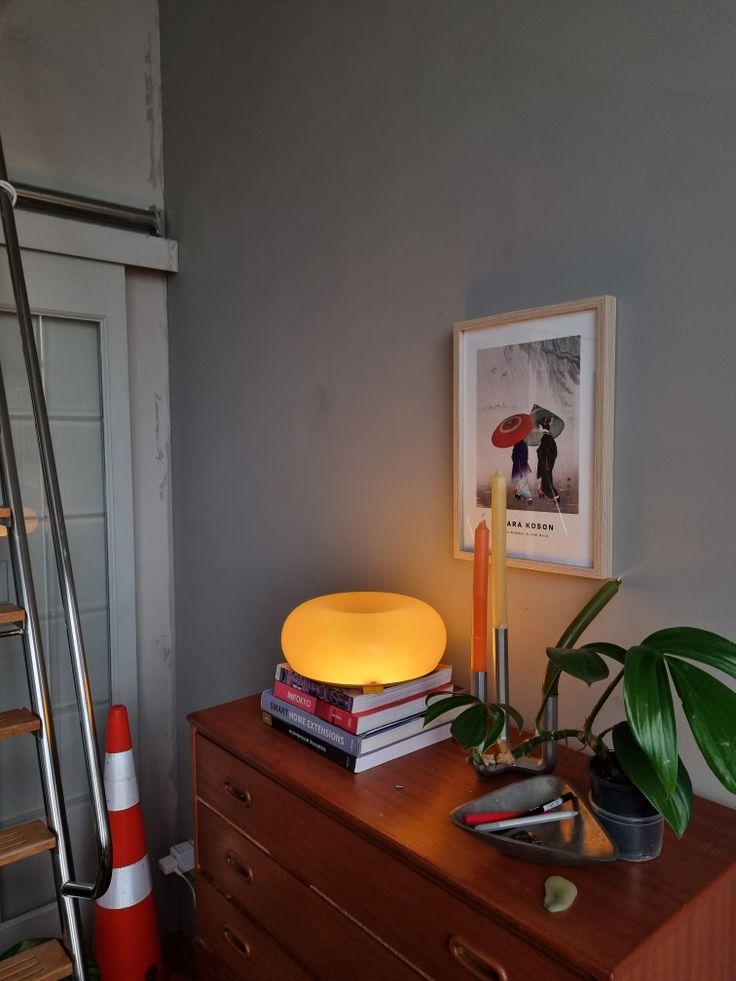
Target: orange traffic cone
x=126, y=944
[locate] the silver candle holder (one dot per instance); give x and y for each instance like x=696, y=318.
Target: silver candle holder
x=500, y=670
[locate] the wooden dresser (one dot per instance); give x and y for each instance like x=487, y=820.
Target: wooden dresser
x=305, y=870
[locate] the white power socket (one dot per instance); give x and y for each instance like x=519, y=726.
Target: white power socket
x=167, y=864
x=181, y=857
x=184, y=855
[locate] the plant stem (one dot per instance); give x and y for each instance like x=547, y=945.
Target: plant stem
x=551, y=680
x=588, y=724
x=546, y=737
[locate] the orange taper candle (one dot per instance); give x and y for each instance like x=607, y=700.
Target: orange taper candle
x=498, y=549
x=479, y=628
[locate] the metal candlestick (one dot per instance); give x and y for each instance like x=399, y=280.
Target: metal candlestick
x=500, y=659
x=526, y=764
x=480, y=685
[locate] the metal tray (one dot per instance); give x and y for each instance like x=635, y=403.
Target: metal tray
x=578, y=841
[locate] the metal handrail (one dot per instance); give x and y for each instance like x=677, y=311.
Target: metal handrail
x=69, y=887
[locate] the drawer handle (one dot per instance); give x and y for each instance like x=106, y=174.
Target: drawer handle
x=244, y=871
x=234, y=940
x=234, y=790
x=477, y=963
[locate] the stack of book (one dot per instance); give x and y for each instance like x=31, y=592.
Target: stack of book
x=355, y=727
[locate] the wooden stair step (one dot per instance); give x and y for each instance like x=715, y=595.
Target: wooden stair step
x=24, y=840
x=46, y=962
x=15, y=722
x=10, y=613
x=5, y=516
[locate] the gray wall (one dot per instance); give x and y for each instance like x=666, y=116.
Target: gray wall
x=349, y=179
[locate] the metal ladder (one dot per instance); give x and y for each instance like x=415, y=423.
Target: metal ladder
x=52, y=960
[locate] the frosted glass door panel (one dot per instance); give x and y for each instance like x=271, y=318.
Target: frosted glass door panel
x=97, y=649
x=70, y=364
x=70, y=351
x=79, y=454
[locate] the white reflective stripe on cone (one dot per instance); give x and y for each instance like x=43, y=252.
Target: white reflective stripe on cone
x=128, y=886
x=121, y=786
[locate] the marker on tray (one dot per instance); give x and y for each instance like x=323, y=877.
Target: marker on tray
x=472, y=820
x=526, y=819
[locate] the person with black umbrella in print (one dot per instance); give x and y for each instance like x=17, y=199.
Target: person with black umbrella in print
x=546, y=457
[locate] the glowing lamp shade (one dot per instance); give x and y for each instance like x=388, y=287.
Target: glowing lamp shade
x=363, y=638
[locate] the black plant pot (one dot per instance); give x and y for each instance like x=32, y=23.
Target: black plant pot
x=626, y=814
x=619, y=796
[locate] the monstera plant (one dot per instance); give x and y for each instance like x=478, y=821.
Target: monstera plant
x=642, y=747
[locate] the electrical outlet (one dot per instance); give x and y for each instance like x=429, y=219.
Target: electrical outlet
x=167, y=864
x=183, y=854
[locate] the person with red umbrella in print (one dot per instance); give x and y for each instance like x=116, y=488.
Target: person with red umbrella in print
x=513, y=432
x=520, y=471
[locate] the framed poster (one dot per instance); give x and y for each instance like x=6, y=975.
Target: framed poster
x=534, y=398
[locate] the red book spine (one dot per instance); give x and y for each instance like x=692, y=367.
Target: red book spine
x=335, y=715
x=295, y=697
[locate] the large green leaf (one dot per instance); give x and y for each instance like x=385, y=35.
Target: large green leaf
x=581, y=663
x=677, y=809
x=442, y=705
x=697, y=645
x=710, y=708
x=469, y=728
x=650, y=711
x=588, y=613
x=613, y=651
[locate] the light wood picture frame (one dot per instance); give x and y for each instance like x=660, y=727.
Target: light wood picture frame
x=539, y=379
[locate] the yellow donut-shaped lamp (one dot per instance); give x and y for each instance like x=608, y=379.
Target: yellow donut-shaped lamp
x=363, y=638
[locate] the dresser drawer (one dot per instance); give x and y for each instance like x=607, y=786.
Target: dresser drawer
x=238, y=792
x=293, y=913
x=243, y=947
x=439, y=933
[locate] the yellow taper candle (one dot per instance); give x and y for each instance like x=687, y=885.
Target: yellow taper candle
x=479, y=622
x=498, y=549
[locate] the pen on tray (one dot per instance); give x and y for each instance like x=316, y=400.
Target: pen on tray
x=526, y=819
x=471, y=820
